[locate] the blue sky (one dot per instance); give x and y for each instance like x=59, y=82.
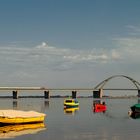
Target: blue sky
x=68, y=43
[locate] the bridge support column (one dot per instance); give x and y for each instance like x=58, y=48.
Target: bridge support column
x=15, y=94
x=98, y=93
x=138, y=93
x=74, y=94
x=46, y=94
x=101, y=92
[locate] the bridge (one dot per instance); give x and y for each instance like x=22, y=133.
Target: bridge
x=97, y=90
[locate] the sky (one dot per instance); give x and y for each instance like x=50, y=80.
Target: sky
x=68, y=43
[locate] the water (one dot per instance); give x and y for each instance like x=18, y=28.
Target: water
x=84, y=124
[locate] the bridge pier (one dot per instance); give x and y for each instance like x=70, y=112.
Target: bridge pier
x=15, y=94
x=74, y=94
x=46, y=94
x=98, y=93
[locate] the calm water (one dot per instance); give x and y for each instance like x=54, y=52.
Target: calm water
x=83, y=124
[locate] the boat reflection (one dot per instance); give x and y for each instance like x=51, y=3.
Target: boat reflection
x=99, y=106
x=71, y=110
x=12, y=131
x=134, y=115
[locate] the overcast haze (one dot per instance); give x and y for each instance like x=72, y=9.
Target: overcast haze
x=68, y=43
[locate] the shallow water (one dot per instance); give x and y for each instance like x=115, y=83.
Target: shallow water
x=84, y=124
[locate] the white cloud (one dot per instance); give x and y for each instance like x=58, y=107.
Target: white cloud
x=48, y=55
x=129, y=47
x=33, y=63
x=115, y=55
x=129, y=42
x=43, y=61
x=51, y=57
x=133, y=28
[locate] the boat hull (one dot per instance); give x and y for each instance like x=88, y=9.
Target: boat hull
x=99, y=108
x=21, y=120
x=20, y=127
x=70, y=106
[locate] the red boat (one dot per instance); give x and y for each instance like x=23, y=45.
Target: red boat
x=98, y=107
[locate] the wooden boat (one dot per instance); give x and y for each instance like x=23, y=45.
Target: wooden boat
x=19, y=117
x=135, y=108
x=71, y=103
x=98, y=107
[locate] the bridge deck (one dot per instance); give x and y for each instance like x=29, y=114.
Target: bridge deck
x=57, y=89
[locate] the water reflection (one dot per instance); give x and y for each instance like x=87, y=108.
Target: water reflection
x=135, y=115
x=138, y=100
x=99, y=106
x=15, y=104
x=71, y=110
x=46, y=103
x=44, y=106
x=11, y=131
x=114, y=124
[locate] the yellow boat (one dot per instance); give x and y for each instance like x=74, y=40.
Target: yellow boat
x=71, y=103
x=18, y=117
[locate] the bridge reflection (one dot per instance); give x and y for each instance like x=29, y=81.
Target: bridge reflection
x=45, y=105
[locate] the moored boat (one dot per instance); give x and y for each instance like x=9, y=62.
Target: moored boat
x=19, y=117
x=71, y=103
x=99, y=107
x=135, y=108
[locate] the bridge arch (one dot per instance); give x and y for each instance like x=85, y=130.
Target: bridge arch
x=103, y=83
